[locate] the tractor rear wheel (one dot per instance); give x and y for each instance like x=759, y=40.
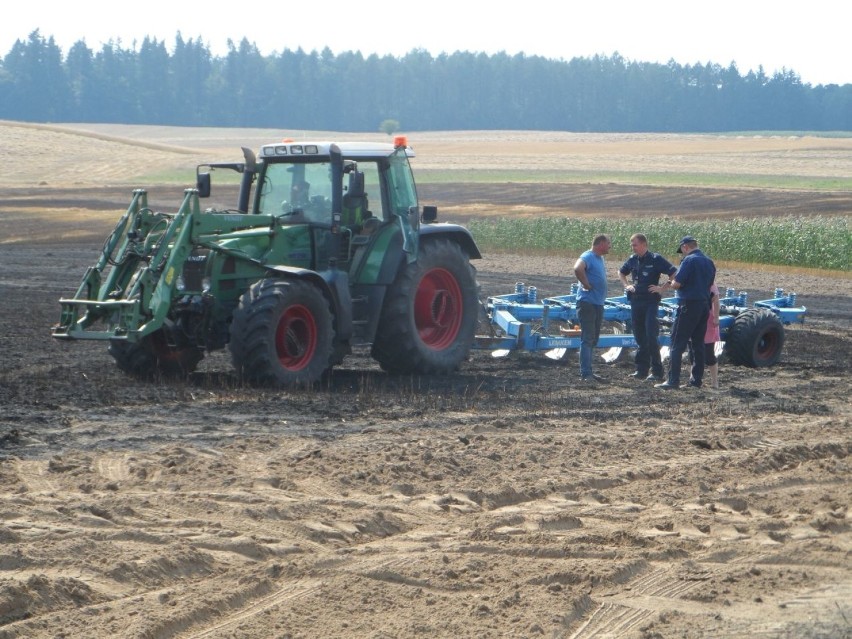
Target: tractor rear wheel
x=282, y=333
x=153, y=356
x=430, y=313
x=755, y=339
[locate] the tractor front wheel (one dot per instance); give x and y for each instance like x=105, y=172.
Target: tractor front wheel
x=282, y=333
x=430, y=313
x=154, y=356
x=755, y=339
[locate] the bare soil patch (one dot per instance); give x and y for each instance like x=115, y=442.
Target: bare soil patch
x=502, y=501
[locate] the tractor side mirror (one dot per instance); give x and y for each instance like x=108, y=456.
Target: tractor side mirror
x=430, y=214
x=202, y=183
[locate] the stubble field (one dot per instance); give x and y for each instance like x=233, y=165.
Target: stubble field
x=502, y=501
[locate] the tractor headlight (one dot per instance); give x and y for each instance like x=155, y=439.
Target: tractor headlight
x=180, y=284
x=205, y=285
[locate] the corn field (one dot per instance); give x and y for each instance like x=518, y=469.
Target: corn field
x=812, y=242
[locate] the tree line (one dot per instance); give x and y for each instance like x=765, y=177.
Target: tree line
x=296, y=89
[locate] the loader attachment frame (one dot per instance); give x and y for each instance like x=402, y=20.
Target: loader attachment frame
x=127, y=294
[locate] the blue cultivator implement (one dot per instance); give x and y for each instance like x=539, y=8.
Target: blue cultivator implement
x=751, y=335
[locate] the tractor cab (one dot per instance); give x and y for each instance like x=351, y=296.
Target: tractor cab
x=328, y=199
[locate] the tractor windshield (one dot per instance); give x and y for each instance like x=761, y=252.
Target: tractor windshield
x=297, y=193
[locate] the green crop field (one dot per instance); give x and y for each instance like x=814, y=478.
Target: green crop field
x=725, y=180
x=813, y=242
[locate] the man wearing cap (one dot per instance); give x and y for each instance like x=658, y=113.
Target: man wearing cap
x=692, y=284
x=645, y=269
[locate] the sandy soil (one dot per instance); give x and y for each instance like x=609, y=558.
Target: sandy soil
x=501, y=501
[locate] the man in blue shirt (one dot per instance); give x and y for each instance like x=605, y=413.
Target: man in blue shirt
x=645, y=269
x=590, y=270
x=692, y=283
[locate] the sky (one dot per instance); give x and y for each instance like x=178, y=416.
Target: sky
x=811, y=38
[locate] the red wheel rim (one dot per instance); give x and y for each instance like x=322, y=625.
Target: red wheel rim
x=164, y=353
x=438, y=308
x=296, y=337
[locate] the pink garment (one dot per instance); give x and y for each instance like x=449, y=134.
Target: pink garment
x=712, y=335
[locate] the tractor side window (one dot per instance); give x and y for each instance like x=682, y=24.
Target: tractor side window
x=373, y=189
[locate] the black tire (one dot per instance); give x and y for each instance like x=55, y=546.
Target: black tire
x=755, y=339
x=153, y=356
x=282, y=334
x=430, y=313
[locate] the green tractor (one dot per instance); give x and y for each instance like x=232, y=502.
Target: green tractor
x=327, y=248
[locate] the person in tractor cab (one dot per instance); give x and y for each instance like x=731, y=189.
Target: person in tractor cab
x=300, y=194
x=355, y=206
x=645, y=269
x=692, y=283
x=315, y=208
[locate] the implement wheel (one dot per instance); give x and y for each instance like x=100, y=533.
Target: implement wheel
x=755, y=339
x=282, y=333
x=430, y=313
x=153, y=356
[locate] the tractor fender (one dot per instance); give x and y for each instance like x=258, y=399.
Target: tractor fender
x=394, y=257
x=455, y=233
x=372, y=283
x=334, y=285
x=388, y=244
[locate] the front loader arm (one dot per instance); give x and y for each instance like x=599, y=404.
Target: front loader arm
x=143, y=258
x=93, y=286
x=117, y=291
x=159, y=278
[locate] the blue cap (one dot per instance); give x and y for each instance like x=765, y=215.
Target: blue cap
x=687, y=240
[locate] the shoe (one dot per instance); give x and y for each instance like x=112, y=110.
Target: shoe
x=691, y=385
x=655, y=378
x=638, y=375
x=593, y=378
x=667, y=386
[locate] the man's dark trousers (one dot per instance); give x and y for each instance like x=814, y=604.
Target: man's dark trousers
x=646, y=330
x=689, y=325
